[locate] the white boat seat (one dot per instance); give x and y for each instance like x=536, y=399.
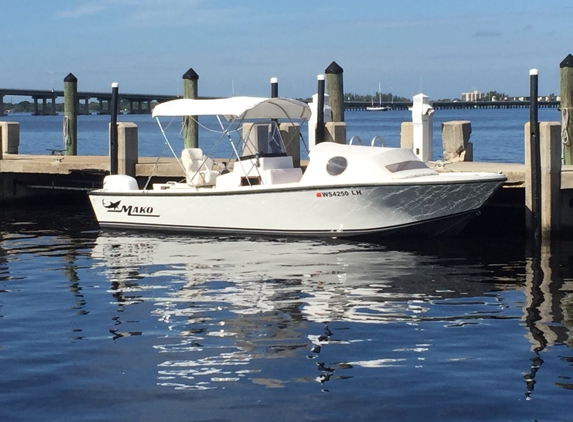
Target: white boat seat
x=198, y=168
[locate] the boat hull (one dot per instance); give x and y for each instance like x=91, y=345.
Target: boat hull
x=336, y=211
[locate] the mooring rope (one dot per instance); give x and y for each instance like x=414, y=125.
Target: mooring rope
x=565, y=126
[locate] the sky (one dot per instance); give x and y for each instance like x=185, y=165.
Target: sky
x=440, y=48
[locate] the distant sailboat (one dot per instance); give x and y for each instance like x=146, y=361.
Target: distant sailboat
x=379, y=107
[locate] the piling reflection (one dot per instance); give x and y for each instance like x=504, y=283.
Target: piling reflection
x=228, y=304
x=548, y=292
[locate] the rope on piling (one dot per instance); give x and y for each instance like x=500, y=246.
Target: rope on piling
x=565, y=126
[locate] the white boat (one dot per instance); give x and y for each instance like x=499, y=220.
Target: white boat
x=345, y=191
x=378, y=107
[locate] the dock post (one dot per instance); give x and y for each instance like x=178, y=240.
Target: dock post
x=113, y=157
x=1, y=106
x=319, y=137
x=456, y=140
x=422, y=127
x=407, y=135
x=335, y=90
x=550, y=145
x=127, y=148
x=190, y=126
x=70, y=134
x=290, y=133
x=566, y=88
x=550, y=179
x=9, y=138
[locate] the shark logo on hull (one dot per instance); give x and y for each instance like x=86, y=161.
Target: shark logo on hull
x=131, y=210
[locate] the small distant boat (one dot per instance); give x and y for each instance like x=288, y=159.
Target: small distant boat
x=378, y=107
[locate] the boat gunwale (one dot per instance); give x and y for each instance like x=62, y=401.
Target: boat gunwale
x=263, y=189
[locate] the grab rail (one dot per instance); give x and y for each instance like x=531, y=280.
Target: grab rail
x=353, y=138
x=376, y=138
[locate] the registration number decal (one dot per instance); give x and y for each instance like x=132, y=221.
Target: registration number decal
x=330, y=194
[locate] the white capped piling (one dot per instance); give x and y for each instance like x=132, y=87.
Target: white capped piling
x=335, y=90
x=422, y=127
x=566, y=91
x=535, y=160
x=274, y=87
x=319, y=136
x=190, y=125
x=71, y=103
x=113, y=149
x=312, y=122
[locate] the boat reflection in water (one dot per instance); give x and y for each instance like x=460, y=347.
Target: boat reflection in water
x=225, y=307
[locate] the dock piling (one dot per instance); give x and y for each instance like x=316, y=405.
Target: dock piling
x=190, y=126
x=335, y=90
x=113, y=150
x=535, y=159
x=274, y=87
x=127, y=148
x=9, y=138
x=71, y=103
x=456, y=140
x=319, y=137
x=566, y=88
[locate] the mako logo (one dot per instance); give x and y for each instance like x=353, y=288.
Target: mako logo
x=129, y=209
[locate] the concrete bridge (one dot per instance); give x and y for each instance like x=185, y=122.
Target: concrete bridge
x=138, y=103
x=141, y=103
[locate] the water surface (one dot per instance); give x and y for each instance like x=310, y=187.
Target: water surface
x=128, y=326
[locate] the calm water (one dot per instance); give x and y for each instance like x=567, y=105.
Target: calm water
x=106, y=326
x=497, y=135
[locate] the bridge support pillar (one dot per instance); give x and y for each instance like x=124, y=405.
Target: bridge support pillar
x=54, y=111
x=36, y=112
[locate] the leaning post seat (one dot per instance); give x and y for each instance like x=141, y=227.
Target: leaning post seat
x=198, y=168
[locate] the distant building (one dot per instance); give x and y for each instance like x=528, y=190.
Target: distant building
x=472, y=96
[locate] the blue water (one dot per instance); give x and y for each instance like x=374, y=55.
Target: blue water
x=106, y=326
x=497, y=135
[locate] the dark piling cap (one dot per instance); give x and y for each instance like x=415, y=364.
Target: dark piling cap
x=334, y=68
x=567, y=61
x=191, y=75
x=70, y=78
